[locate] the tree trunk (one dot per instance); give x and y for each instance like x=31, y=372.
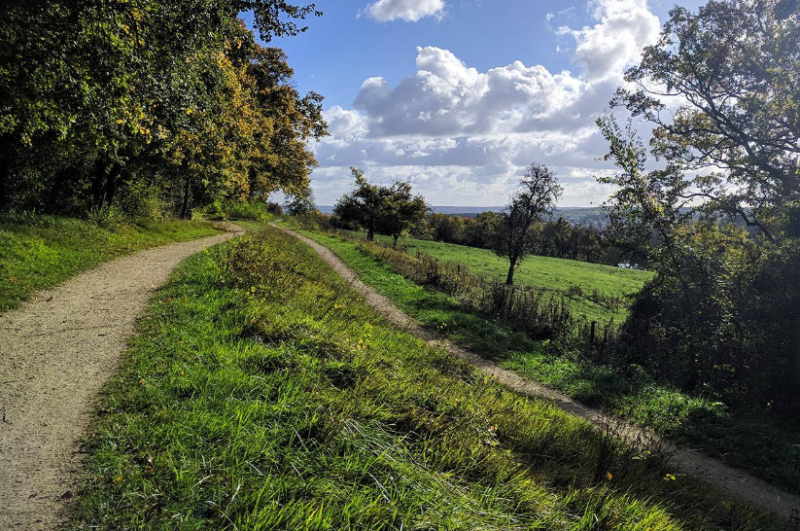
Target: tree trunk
x=111, y=183
x=187, y=190
x=97, y=183
x=510, y=277
x=5, y=174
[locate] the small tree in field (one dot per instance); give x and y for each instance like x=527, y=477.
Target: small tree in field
x=401, y=210
x=537, y=197
x=363, y=206
x=385, y=209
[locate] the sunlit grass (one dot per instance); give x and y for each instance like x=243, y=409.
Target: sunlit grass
x=546, y=274
x=765, y=445
x=262, y=393
x=40, y=252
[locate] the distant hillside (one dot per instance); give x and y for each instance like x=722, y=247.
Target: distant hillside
x=575, y=215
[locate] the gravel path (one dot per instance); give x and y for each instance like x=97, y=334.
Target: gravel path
x=56, y=352
x=729, y=481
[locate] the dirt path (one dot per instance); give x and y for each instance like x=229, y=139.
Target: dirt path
x=56, y=351
x=729, y=481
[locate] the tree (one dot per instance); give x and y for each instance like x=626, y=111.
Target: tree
x=482, y=230
x=100, y=99
x=363, y=206
x=287, y=121
x=736, y=139
x=385, y=209
x=300, y=204
x=402, y=210
x=447, y=228
x=647, y=209
x=539, y=194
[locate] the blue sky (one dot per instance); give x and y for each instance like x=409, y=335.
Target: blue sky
x=457, y=96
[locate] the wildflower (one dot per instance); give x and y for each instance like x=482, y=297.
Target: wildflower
x=670, y=477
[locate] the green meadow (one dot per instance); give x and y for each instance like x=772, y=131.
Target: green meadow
x=261, y=393
x=545, y=274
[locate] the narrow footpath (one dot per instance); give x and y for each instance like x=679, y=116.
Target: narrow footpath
x=56, y=352
x=729, y=481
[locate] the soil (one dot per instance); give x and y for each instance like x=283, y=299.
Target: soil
x=728, y=481
x=56, y=352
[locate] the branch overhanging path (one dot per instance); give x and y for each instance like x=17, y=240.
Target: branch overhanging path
x=727, y=480
x=56, y=352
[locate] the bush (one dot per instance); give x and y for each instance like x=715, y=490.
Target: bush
x=107, y=216
x=247, y=210
x=236, y=210
x=140, y=201
x=723, y=323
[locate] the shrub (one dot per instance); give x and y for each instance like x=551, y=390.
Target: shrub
x=247, y=210
x=107, y=216
x=721, y=322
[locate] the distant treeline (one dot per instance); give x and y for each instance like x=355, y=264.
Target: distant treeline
x=558, y=238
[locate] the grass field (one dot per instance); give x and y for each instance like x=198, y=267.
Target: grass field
x=263, y=394
x=764, y=444
x=544, y=273
x=40, y=252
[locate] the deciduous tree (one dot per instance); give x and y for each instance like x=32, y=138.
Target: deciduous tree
x=538, y=196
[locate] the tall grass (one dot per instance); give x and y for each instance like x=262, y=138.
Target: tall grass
x=540, y=315
x=262, y=394
x=764, y=445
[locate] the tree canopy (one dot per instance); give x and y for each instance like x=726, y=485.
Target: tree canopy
x=389, y=210
x=734, y=145
x=103, y=100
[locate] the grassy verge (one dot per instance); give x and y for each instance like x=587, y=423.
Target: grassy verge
x=40, y=252
x=262, y=393
x=579, y=279
x=759, y=442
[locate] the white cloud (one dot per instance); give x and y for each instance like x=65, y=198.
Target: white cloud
x=408, y=10
x=463, y=136
x=623, y=29
x=446, y=97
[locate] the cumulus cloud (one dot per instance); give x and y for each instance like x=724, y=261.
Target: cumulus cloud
x=446, y=97
x=408, y=10
x=464, y=136
x=623, y=29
